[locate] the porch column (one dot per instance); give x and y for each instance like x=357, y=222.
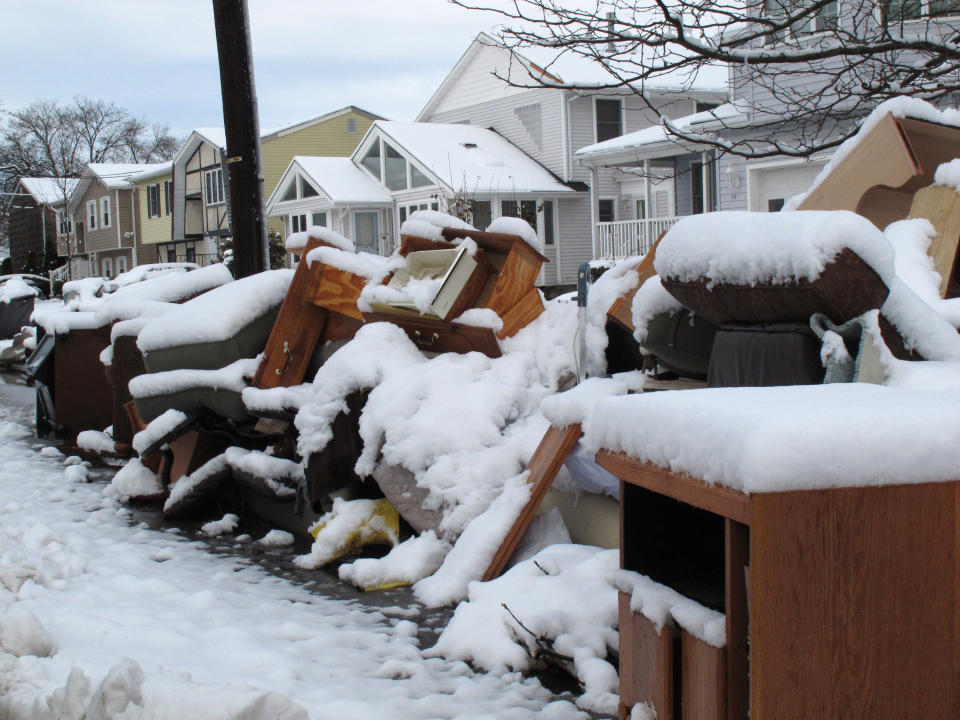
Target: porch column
x=705, y=181
x=593, y=210
x=647, y=194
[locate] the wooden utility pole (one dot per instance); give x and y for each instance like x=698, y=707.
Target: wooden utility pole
x=242, y=125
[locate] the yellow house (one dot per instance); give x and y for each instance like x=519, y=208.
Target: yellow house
x=154, y=208
x=201, y=216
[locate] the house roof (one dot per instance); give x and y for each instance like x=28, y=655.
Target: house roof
x=116, y=176
x=656, y=141
x=564, y=69
x=158, y=170
x=337, y=178
x=300, y=124
x=47, y=190
x=470, y=158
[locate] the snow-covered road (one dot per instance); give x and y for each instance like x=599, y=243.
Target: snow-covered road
x=146, y=624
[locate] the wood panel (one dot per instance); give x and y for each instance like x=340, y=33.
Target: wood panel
x=646, y=663
x=737, y=564
x=335, y=289
x=521, y=314
x=431, y=335
x=854, y=604
x=544, y=465
x=492, y=242
x=295, y=333
x=622, y=309
x=518, y=275
x=714, y=498
x=82, y=396
x=941, y=206
x=703, y=680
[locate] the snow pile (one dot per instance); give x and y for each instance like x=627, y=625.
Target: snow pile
x=515, y=226
x=150, y=271
x=175, y=286
x=157, y=428
x=21, y=633
x=948, y=174
x=276, y=538
x=788, y=438
x=95, y=441
x=651, y=300
x=227, y=524
x=62, y=322
x=428, y=224
x=408, y=562
x=218, y=314
x=900, y=107
x=84, y=294
x=481, y=317
x=232, y=377
x=576, y=405
x=14, y=289
x=565, y=598
x=365, y=265
x=298, y=241
x=134, y=480
x=748, y=248
x=921, y=327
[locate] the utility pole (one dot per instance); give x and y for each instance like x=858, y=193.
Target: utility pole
x=242, y=125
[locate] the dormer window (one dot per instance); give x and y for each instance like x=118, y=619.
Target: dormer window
x=297, y=189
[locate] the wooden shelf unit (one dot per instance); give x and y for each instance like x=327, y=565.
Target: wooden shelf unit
x=840, y=603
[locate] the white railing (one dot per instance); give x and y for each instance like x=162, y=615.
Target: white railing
x=624, y=238
x=61, y=274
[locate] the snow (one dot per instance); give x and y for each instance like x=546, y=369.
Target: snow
x=48, y=190
x=14, y=289
x=149, y=624
x=922, y=328
x=64, y=322
x=480, y=317
x=744, y=248
x=948, y=174
x=22, y=633
x=349, y=525
x=227, y=524
x=577, y=404
x=149, y=270
x=297, y=241
x=232, y=377
x=276, y=538
x=172, y=286
x=911, y=241
x=363, y=265
x=899, y=107
x=157, y=428
x=95, y=441
x=614, y=283
x=788, y=438
x=406, y=563
x=565, y=596
x=651, y=300
x=116, y=176
x=515, y=226
x=662, y=605
x=218, y=314
x=340, y=180
x=134, y=480
x=428, y=224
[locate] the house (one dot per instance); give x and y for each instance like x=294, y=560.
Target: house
x=154, y=216
x=201, y=194
x=37, y=221
x=550, y=123
x=401, y=167
x=103, y=210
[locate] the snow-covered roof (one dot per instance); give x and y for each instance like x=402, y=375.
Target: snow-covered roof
x=657, y=141
x=49, y=190
x=216, y=136
x=116, y=176
x=156, y=170
x=336, y=177
x=471, y=158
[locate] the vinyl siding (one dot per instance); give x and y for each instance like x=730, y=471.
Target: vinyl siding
x=476, y=83
x=99, y=239
x=733, y=198
x=573, y=234
x=158, y=229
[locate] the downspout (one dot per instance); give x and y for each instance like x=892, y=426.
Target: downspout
x=566, y=139
x=704, y=181
x=134, y=195
x=116, y=217
x=647, y=209
x=568, y=135
x=594, y=175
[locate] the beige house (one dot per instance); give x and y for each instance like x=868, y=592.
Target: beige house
x=201, y=193
x=104, y=220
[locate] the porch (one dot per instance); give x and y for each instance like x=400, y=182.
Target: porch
x=623, y=238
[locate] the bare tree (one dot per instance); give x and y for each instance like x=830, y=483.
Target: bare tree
x=802, y=71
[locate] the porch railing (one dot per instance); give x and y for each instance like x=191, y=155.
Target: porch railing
x=624, y=238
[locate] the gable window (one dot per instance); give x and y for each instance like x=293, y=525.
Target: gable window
x=298, y=223
x=417, y=178
x=608, y=116
x=92, y=215
x=395, y=169
x=168, y=197
x=391, y=168
x=351, y=125
x=290, y=193
x=153, y=200
x=105, y=211
x=213, y=185
x=371, y=161
x=306, y=189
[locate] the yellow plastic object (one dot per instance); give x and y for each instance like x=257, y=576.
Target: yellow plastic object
x=352, y=525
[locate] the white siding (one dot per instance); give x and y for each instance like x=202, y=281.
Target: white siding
x=573, y=234
x=476, y=83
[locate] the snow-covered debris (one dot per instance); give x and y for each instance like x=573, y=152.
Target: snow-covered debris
x=614, y=283
x=134, y=480
x=14, y=289
x=566, y=596
x=227, y=524
x=297, y=241
x=349, y=525
x=576, y=405
x=276, y=538
x=480, y=317
x=413, y=559
x=788, y=438
x=95, y=441
x=428, y=224
x=363, y=265
x=232, y=377
x=923, y=329
x=663, y=605
x=22, y=633
x=948, y=174
x=651, y=300
x=746, y=248
x=911, y=242
x=149, y=271
x=218, y=314
x=515, y=226
x=158, y=427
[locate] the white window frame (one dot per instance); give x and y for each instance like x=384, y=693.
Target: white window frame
x=167, y=197
x=121, y=264
x=924, y=13
x=792, y=34
x=106, y=217
x=298, y=222
x=92, y=215
x=313, y=219
x=410, y=163
x=213, y=188
x=106, y=267
x=614, y=202
x=65, y=222
x=153, y=191
x=623, y=119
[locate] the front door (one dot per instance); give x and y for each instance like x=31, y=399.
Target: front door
x=366, y=232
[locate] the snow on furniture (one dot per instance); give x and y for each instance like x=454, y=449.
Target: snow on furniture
x=835, y=509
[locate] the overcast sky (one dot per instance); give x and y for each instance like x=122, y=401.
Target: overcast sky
x=158, y=59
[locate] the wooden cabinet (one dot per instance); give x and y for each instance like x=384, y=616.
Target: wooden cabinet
x=839, y=603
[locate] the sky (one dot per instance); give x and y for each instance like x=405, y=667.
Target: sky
x=159, y=59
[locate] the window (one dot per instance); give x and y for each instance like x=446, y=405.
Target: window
x=822, y=19
x=298, y=223
x=290, y=193
x=121, y=265
x=92, y=215
x=108, y=268
x=105, y=211
x=697, y=197
x=153, y=200
x=548, y=222
x=641, y=209
x=65, y=223
x=896, y=11
x=395, y=170
x=371, y=161
x=525, y=209
x=606, y=210
x=306, y=189
x=775, y=204
x=481, y=214
x=318, y=218
x=417, y=178
x=171, y=254
x=213, y=183
x=609, y=123
x=191, y=254
x=168, y=197
x=704, y=107
x=351, y=125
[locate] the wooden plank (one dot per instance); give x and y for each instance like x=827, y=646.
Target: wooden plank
x=336, y=290
x=432, y=335
x=491, y=242
x=518, y=275
x=941, y=206
x=472, y=288
x=646, y=662
x=412, y=243
x=736, y=564
x=544, y=465
x=622, y=309
x=703, y=680
x=296, y=331
x=521, y=314
x=713, y=498
x=854, y=603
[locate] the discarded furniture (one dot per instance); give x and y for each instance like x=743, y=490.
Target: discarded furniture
x=81, y=394
x=838, y=602
x=941, y=206
x=879, y=176
x=503, y=280
x=14, y=315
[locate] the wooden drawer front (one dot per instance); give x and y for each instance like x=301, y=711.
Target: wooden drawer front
x=438, y=336
x=703, y=681
x=335, y=290
x=646, y=663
